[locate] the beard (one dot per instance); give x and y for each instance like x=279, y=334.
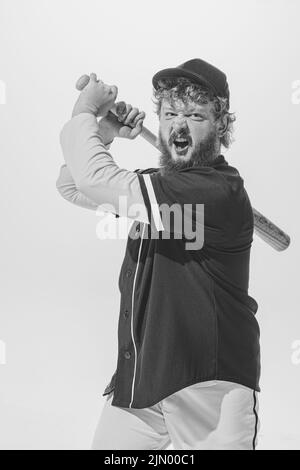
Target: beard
x=203, y=154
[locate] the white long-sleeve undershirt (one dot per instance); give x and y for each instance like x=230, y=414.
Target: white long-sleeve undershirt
x=90, y=177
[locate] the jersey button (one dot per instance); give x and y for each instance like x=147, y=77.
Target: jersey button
x=129, y=273
x=126, y=314
x=127, y=355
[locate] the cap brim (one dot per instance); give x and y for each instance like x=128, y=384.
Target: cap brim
x=177, y=73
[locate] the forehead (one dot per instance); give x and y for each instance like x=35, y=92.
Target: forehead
x=190, y=106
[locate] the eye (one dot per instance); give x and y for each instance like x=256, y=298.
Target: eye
x=169, y=114
x=197, y=116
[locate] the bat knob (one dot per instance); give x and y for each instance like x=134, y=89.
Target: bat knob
x=82, y=82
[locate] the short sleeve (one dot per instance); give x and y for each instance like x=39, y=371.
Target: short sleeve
x=190, y=201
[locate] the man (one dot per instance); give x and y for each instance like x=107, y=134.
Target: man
x=189, y=357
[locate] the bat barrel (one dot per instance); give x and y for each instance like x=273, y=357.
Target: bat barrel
x=270, y=233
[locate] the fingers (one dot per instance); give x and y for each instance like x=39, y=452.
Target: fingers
x=93, y=77
x=141, y=116
x=84, y=80
x=137, y=130
x=129, y=116
x=124, y=117
x=134, y=118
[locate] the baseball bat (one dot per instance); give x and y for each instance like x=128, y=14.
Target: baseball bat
x=264, y=228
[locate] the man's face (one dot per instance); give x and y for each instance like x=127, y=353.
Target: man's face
x=187, y=134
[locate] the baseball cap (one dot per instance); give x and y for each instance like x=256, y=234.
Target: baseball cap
x=200, y=72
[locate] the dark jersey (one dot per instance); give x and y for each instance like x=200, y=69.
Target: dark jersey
x=185, y=314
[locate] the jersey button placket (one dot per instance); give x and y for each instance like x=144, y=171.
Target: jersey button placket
x=130, y=273
x=127, y=354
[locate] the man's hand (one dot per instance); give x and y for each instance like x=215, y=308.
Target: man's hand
x=96, y=98
x=128, y=124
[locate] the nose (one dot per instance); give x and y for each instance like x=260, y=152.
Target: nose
x=180, y=124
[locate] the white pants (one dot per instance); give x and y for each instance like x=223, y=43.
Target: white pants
x=213, y=415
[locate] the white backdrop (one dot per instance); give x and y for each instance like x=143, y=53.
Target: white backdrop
x=59, y=298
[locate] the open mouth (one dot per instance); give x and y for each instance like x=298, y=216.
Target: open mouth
x=181, y=146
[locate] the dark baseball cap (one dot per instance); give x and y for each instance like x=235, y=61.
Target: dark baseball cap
x=200, y=72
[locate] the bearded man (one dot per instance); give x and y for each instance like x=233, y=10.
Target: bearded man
x=188, y=364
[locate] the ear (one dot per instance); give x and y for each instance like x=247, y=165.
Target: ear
x=222, y=125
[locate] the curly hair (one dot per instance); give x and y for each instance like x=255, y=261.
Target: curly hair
x=183, y=89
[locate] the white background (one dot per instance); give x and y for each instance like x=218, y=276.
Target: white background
x=59, y=297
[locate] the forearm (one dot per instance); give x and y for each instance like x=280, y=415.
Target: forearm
x=81, y=144
x=94, y=170
x=68, y=190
